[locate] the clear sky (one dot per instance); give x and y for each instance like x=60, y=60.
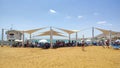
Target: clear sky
x=68, y=14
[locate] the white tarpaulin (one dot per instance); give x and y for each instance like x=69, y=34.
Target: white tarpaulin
x=17, y=40
x=33, y=30
x=54, y=33
x=118, y=40
x=107, y=32
x=42, y=41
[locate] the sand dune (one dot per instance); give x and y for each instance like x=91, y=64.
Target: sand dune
x=67, y=57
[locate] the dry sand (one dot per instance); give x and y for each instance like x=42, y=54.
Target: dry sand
x=67, y=57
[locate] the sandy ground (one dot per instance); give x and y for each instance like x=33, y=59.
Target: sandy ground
x=67, y=57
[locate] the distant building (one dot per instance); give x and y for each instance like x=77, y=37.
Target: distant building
x=13, y=35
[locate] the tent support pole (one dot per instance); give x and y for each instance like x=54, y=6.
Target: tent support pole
x=69, y=38
x=2, y=43
x=110, y=37
x=23, y=39
x=51, y=45
x=92, y=34
x=76, y=38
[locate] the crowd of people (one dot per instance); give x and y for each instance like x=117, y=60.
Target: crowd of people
x=58, y=43
x=61, y=43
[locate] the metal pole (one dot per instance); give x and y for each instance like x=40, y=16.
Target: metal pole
x=2, y=43
x=23, y=38
x=110, y=37
x=51, y=45
x=30, y=38
x=76, y=38
x=69, y=38
x=83, y=37
x=92, y=34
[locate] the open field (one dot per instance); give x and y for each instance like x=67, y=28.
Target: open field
x=67, y=57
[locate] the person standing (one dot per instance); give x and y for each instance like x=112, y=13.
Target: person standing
x=107, y=43
x=83, y=46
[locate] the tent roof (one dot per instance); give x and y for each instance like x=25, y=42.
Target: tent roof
x=67, y=31
x=104, y=31
x=107, y=31
x=55, y=33
x=33, y=30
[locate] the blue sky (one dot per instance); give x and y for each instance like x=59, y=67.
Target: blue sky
x=68, y=14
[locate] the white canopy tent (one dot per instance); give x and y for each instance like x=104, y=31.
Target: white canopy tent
x=33, y=30
x=118, y=40
x=51, y=33
x=108, y=32
x=55, y=33
x=69, y=32
x=30, y=32
x=42, y=41
x=17, y=40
